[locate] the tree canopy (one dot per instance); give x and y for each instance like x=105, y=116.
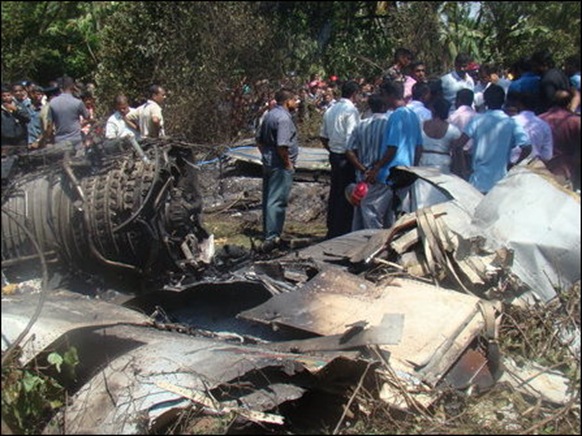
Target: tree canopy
x=202, y=51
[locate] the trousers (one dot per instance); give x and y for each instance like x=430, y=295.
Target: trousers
x=339, y=211
x=276, y=188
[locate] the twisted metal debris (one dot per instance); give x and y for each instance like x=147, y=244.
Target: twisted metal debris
x=110, y=211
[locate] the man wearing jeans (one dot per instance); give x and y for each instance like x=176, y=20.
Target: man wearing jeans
x=277, y=141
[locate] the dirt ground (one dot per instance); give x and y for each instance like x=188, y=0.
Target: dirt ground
x=232, y=193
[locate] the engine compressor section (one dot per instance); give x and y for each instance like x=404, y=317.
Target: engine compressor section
x=115, y=211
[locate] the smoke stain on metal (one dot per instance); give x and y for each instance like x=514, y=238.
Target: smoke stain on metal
x=110, y=213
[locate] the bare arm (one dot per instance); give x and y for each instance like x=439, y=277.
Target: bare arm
x=284, y=155
x=525, y=151
x=353, y=158
x=417, y=154
x=460, y=143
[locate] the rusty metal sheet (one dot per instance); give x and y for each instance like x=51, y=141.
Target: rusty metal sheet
x=438, y=323
x=471, y=369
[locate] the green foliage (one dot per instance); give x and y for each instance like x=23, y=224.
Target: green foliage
x=44, y=40
x=30, y=397
x=199, y=51
x=205, y=52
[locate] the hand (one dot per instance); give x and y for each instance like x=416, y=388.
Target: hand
x=370, y=175
x=10, y=106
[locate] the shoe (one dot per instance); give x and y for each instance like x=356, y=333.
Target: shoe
x=270, y=244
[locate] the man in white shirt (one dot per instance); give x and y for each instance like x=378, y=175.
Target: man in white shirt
x=457, y=79
x=151, y=121
x=119, y=124
x=339, y=121
x=420, y=98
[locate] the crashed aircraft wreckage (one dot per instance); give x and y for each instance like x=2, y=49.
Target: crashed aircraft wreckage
x=122, y=209
x=320, y=320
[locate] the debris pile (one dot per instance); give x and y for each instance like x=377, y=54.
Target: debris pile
x=420, y=318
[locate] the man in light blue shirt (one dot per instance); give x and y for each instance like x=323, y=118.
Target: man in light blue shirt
x=494, y=135
x=401, y=146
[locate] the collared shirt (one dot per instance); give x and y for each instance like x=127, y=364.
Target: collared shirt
x=116, y=126
x=146, y=125
x=420, y=109
x=460, y=118
x=277, y=130
x=339, y=121
x=34, y=126
x=540, y=135
x=452, y=83
x=366, y=139
x=14, y=126
x=494, y=134
x=403, y=132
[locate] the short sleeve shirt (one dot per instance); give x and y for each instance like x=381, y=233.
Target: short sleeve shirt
x=278, y=130
x=402, y=132
x=116, y=126
x=66, y=112
x=494, y=135
x=366, y=139
x=339, y=121
x=146, y=126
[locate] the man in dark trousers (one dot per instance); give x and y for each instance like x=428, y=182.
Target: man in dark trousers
x=339, y=121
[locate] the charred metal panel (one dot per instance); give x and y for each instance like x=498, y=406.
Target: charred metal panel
x=438, y=323
x=62, y=312
x=133, y=390
x=110, y=211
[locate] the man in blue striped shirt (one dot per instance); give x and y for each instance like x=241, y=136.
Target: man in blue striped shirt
x=364, y=149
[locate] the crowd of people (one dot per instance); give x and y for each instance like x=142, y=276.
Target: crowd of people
x=63, y=113
x=475, y=121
